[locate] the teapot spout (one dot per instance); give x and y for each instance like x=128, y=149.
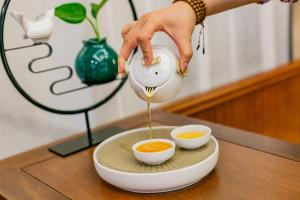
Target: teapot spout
x=149, y=91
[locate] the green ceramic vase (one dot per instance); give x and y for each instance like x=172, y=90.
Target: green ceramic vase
x=96, y=62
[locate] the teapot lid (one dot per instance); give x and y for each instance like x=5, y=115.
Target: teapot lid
x=159, y=72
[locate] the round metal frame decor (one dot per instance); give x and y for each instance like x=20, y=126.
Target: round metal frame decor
x=77, y=144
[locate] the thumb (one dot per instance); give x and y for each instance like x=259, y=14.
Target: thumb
x=186, y=52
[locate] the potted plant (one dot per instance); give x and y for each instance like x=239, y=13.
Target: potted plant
x=96, y=62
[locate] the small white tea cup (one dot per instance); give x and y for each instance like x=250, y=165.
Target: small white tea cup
x=191, y=143
x=154, y=158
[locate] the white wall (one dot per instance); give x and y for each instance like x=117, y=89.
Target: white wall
x=239, y=43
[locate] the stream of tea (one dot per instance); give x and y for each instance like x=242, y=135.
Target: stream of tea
x=149, y=94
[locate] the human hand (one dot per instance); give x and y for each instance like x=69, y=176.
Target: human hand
x=178, y=21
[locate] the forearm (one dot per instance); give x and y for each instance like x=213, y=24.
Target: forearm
x=217, y=6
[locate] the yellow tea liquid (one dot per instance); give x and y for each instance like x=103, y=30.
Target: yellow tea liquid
x=151, y=147
x=149, y=94
x=190, y=135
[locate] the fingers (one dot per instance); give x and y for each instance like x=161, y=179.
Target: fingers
x=127, y=28
x=138, y=34
x=186, y=52
x=129, y=44
x=144, y=42
x=146, y=47
x=125, y=46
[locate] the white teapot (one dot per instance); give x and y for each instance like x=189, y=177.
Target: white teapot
x=163, y=74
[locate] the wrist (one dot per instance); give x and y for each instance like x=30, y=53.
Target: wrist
x=184, y=7
x=199, y=8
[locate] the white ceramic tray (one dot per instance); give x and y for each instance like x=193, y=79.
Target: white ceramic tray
x=154, y=182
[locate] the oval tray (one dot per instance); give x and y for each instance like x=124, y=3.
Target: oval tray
x=115, y=163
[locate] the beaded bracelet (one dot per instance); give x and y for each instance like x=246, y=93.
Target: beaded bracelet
x=287, y=1
x=199, y=7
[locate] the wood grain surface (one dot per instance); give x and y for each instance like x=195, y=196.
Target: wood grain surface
x=267, y=103
x=244, y=171
x=241, y=173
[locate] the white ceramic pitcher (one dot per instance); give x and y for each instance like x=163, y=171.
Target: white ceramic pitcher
x=163, y=74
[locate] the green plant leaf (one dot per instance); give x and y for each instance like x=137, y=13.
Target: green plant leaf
x=73, y=13
x=95, y=8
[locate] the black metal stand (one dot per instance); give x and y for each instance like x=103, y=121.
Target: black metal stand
x=79, y=143
x=82, y=142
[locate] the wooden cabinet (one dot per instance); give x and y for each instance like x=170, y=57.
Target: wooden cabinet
x=267, y=103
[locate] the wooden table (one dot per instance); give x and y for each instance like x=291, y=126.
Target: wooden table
x=251, y=166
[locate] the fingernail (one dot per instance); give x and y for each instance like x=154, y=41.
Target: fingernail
x=121, y=76
x=184, y=67
x=147, y=60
